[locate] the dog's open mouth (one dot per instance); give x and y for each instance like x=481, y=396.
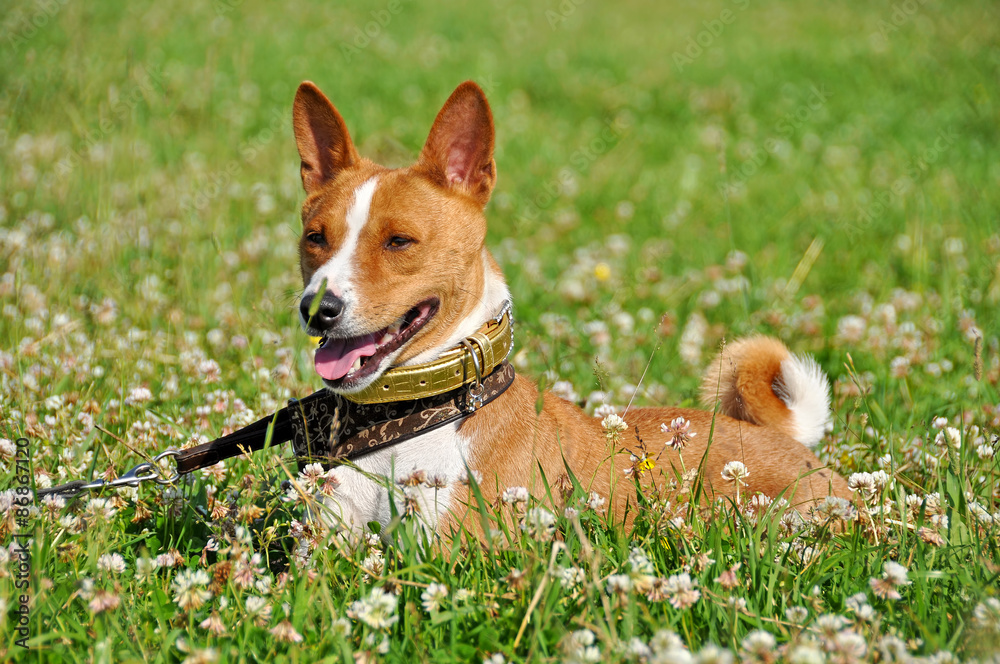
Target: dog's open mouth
x=345, y=363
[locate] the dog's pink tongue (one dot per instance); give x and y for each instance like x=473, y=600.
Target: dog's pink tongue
x=336, y=357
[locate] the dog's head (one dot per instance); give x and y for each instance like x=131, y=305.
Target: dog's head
x=394, y=260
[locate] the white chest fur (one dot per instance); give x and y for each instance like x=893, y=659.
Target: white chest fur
x=363, y=494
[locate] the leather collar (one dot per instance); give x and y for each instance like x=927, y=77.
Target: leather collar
x=334, y=429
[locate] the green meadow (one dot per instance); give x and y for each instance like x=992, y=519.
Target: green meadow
x=671, y=175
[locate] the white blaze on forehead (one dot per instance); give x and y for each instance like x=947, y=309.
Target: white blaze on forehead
x=339, y=271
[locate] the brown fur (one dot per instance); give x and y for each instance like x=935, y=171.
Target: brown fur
x=438, y=203
x=512, y=441
x=742, y=379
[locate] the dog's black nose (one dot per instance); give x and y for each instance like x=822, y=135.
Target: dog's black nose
x=330, y=308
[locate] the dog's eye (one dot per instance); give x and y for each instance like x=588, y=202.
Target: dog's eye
x=398, y=242
x=316, y=238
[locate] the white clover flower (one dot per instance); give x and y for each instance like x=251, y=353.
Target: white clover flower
x=735, y=471
x=849, y=646
x=263, y=584
x=985, y=451
x=284, y=631
x=595, y=501
x=893, y=577
x=613, y=424
x=514, y=495
x=378, y=610
x=980, y=512
x=693, y=339
x=138, y=395
x=713, y=654
x=678, y=433
x=639, y=562
x=893, y=649
x=213, y=623
x=539, y=523
x=987, y=614
x=757, y=504
x=899, y=367
x=258, y=609
x=309, y=477
x=190, y=590
x=636, y=649
x=469, y=475
x=806, y=653
x=665, y=641
x=866, y=613
x=939, y=422
x=379, y=645
x=619, y=584
x=7, y=449
x=682, y=591
x=145, y=569
x=864, y=484
x=571, y=577
x=86, y=587
x=564, y=389
x=341, y=627
x=374, y=564
x=797, y=614
x=834, y=507
x=829, y=624
x=895, y=572
x=851, y=329
x=100, y=509
x=882, y=480
x=104, y=600
x=168, y=559
x=949, y=437
x=434, y=596
x=605, y=409
x=580, y=646
x=760, y=645
x=855, y=601
x=293, y=496
x=111, y=562
x=940, y=521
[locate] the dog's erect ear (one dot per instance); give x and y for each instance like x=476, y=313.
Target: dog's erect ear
x=459, y=149
x=324, y=145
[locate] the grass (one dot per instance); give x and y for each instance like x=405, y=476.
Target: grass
x=826, y=173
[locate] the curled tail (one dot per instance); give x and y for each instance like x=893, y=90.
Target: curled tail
x=757, y=380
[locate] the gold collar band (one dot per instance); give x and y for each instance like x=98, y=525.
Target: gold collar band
x=465, y=364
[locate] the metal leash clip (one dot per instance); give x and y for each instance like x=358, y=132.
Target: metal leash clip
x=145, y=471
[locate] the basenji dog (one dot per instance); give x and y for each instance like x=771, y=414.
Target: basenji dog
x=397, y=276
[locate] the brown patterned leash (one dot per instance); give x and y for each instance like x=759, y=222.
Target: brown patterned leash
x=324, y=427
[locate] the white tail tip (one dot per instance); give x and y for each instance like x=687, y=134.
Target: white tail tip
x=805, y=390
